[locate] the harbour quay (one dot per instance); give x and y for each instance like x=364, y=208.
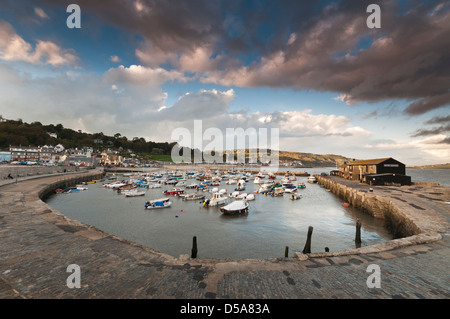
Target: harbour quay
x=38, y=243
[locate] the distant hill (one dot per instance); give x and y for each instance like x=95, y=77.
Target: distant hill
x=436, y=166
x=313, y=160
x=17, y=132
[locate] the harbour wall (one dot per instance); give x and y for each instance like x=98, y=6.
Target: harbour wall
x=379, y=207
x=20, y=171
x=67, y=181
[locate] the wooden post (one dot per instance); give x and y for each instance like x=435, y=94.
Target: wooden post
x=307, y=248
x=194, y=247
x=286, y=252
x=358, y=232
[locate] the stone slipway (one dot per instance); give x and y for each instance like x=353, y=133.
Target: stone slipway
x=37, y=243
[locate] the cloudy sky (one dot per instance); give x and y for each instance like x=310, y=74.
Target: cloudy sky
x=312, y=69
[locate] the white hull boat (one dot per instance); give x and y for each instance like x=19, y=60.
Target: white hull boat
x=236, y=207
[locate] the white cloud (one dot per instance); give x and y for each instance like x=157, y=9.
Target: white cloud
x=41, y=13
x=14, y=48
x=115, y=58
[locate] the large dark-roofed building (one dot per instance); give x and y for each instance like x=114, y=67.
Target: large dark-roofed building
x=379, y=171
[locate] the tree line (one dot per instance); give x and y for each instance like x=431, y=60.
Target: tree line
x=17, y=132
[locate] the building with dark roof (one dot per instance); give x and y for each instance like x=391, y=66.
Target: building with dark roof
x=380, y=171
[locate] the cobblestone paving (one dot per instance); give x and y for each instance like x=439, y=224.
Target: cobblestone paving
x=37, y=244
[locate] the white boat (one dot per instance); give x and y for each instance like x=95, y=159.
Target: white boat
x=214, y=190
x=295, y=196
x=194, y=196
x=231, y=181
x=312, y=179
x=216, y=200
x=236, y=207
x=192, y=185
x=290, y=190
x=234, y=194
x=180, y=184
x=134, y=193
x=257, y=180
x=246, y=196
x=82, y=188
x=154, y=185
x=160, y=204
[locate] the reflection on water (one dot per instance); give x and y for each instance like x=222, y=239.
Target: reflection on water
x=271, y=224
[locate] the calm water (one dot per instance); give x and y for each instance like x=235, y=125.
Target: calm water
x=271, y=224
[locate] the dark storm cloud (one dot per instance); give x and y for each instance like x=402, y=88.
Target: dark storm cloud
x=324, y=46
x=433, y=131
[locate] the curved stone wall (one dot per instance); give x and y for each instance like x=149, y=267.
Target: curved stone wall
x=395, y=220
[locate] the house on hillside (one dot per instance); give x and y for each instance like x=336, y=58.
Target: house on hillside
x=381, y=171
x=109, y=158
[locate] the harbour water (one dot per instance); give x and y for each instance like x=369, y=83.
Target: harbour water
x=271, y=224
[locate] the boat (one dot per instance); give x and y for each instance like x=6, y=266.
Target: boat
x=290, y=190
x=236, y=207
x=164, y=199
x=246, y=196
x=158, y=204
x=134, y=193
x=174, y=191
x=216, y=200
x=154, y=185
x=192, y=185
x=278, y=192
x=194, y=196
x=295, y=196
x=231, y=181
x=235, y=194
x=257, y=180
x=301, y=185
x=312, y=179
x=181, y=184
x=126, y=187
x=240, y=188
x=82, y=188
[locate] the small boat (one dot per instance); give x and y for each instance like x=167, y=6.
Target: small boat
x=278, y=192
x=235, y=194
x=181, y=184
x=82, y=188
x=194, y=196
x=231, y=181
x=345, y=204
x=154, y=185
x=164, y=199
x=246, y=196
x=236, y=207
x=290, y=190
x=174, y=191
x=126, y=187
x=312, y=179
x=216, y=200
x=192, y=185
x=301, y=185
x=295, y=196
x=134, y=193
x=156, y=205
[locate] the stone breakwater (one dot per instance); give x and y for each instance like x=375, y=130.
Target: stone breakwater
x=374, y=205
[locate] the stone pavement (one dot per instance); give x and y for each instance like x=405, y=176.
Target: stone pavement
x=37, y=244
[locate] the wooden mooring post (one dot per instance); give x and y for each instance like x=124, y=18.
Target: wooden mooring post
x=358, y=233
x=194, y=247
x=307, y=248
x=286, y=252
